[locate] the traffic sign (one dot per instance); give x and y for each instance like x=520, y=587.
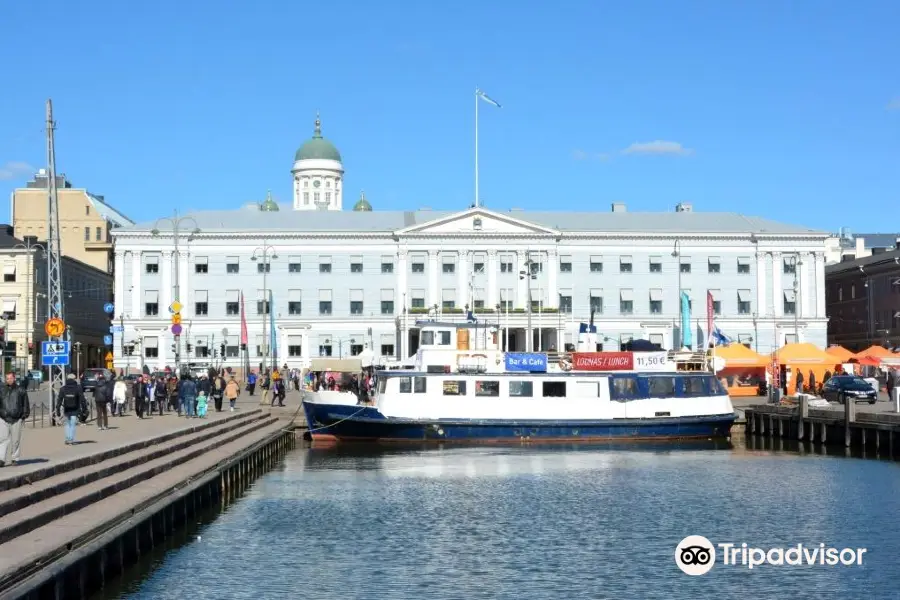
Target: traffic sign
x=107, y=339
x=108, y=308
x=55, y=353
x=54, y=327
x=176, y=329
x=116, y=329
x=109, y=355
x=176, y=319
x=175, y=307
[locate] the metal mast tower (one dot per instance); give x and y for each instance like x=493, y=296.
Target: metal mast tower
x=54, y=293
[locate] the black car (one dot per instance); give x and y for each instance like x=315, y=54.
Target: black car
x=845, y=387
x=89, y=378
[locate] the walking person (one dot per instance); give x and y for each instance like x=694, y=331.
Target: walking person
x=14, y=409
x=160, y=394
x=70, y=403
x=188, y=395
x=232, y=391
x=895, y=386
x=204, y=386
x=251, y=382
x=139, y=393
x=101, y=403
x=120, y=397
x=218, y=390
x=172, y=389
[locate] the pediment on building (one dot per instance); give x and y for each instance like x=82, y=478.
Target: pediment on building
x=477, y=221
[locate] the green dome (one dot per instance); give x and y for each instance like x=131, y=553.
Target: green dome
x=362, y=205
x=318, y=147
x=269, y=205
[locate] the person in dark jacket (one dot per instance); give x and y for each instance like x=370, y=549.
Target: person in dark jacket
x=70, y=403
x=14, y=409
x=102, y=396
x=139, y=395
x=160, y=394
x=217, y=385
x=187, y=392
x=203, y=385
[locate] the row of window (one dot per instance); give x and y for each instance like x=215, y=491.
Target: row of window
x=294, y=351
x=294, y=265
x=622, y=388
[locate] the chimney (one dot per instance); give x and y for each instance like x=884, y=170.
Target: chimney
x=684, y=207
x=618, y=207
x=860, y=247
x=897, y=243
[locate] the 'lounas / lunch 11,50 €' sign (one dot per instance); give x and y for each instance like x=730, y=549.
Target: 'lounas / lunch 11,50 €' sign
x=620, y=361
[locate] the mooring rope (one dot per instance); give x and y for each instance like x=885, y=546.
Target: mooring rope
x=336, y=422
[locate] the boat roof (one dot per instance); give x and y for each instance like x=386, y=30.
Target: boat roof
x=402, y=373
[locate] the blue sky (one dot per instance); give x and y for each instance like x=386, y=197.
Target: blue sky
x=789, y=110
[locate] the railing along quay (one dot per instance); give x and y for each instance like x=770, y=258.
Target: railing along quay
x=861, y=430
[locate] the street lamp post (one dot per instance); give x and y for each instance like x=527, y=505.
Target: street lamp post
x=676, y=254
x=527, y=275
x=265, y=253
x=77, y=346
x=175, y=221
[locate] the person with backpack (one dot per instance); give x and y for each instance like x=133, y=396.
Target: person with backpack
x=160, y=395
x=102, y=397
x=251, y=382
x=188, y=394
x=71, y=403
x=218, y=391
x=139, y=393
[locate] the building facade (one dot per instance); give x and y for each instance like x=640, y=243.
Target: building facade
x=342, y=282
x=863, y=301
x=85, y=219
x=23, y=293
x=847, y=246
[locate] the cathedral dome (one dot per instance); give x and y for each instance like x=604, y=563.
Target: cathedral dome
x=362, y=205
x=269, y=205
x=318, y=148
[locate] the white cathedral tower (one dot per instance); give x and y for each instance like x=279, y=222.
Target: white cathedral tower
x=318, y=174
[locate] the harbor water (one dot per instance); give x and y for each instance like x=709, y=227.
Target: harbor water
x=535, y=522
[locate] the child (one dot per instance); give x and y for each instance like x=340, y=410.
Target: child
x=201, y=404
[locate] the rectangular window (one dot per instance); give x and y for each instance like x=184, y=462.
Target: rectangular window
x=743, y=297
x=387, y=267
x=263, y=267
x=420, y=385
x=262, y=307
x=201, y=265
x=521, y=389
x=743, y=265
x=537, y=267
x=565, y=302
x=790, y=265
x=656, y=264
x=487, y=388
x=295, y=302
x=356, y=349
x=295, y=264
x=151, y=265
x=295, y=350
x=325, y=302
x=325, y=350
x=99, y=235
x=790, y=302
x=717, y=302
x=405, y=385
x=596, y=264
x=201, y=303
x=448, y=299
x=626, y=302
x=454, y=388
x=232, y=351
x=232, y=302
x=478, y=267
x=356, y=302
x=565, y=264
x=151, y=303
x=554, y=389
x=684, y=264
x=694, y=386
x=625, y=264
x=387, y=307
x=596, y=301
x=623, y=388
x=417, y=267
x=151, y=347
x=87, y=234
x=448, y=268
x=506, y=267
x=656, y=305
x=387, y=349
x=714, y=265
x=661, y=386
x=417, y=299
x=324, y=264
x=9, y=273
x=232, y=265
x=356, y=264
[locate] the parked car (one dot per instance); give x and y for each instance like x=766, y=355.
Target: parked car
x=843, y=387
x=89, y=378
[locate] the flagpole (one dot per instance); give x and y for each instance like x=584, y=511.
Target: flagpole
x=477, y=200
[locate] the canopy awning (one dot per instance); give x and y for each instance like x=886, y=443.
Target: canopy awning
x=876, y=351
x=739, y=355
x=840, y=353
x=804, y=353
x=338, y=365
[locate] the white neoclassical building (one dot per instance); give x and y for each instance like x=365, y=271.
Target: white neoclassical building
x=343, y=281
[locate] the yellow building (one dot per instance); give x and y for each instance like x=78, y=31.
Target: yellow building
x=85, y=220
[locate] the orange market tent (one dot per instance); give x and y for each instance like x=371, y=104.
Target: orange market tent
x=867, y=361
x=840, y=353
x=744, y=369
x=876, y=351
x=808, y=359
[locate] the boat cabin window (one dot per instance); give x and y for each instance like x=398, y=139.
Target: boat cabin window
x=715, y=386
x=623, y=388
x=419, y=384
x=382, y=384
x=405, y=385
x=521, y=389
x=435, y=338
x=661, y=386
x=454, y=388
x=487, y=388
x=554, y=389
x=695, y=386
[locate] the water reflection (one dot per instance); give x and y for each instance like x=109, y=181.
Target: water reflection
x=536, y=522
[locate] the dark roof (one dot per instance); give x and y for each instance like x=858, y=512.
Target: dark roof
x=882, y=258
x=872, y=240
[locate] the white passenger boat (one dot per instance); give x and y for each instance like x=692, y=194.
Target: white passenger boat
x=464, y=388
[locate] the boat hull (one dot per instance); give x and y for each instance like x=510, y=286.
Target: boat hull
x=342, y=423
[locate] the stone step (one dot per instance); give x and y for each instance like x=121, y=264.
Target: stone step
x=25, y=495
x=33, y=475
x=37, y=515
x=49, y=546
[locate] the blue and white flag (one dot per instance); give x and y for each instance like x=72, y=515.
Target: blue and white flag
x=470, y=317
x=720, y=338
x=487, y=98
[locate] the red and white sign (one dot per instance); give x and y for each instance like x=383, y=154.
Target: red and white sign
x=603, y=361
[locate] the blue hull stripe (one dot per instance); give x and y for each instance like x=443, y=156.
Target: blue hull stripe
x=363, y=423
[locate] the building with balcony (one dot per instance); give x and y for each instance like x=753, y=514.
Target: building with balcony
x=23, y=294
x=85, y=219
x=863, y=301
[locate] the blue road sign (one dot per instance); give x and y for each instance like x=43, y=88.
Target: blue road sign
x=108, y=308
x=55, y=353
x=107, y=339
x=116, y=329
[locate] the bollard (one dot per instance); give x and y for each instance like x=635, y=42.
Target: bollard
x=849, y=418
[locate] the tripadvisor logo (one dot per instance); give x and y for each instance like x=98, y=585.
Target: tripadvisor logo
x=696, y=555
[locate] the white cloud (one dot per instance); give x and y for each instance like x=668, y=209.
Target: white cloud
x=894, y=104
x=658, y=147
x=15, y=169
